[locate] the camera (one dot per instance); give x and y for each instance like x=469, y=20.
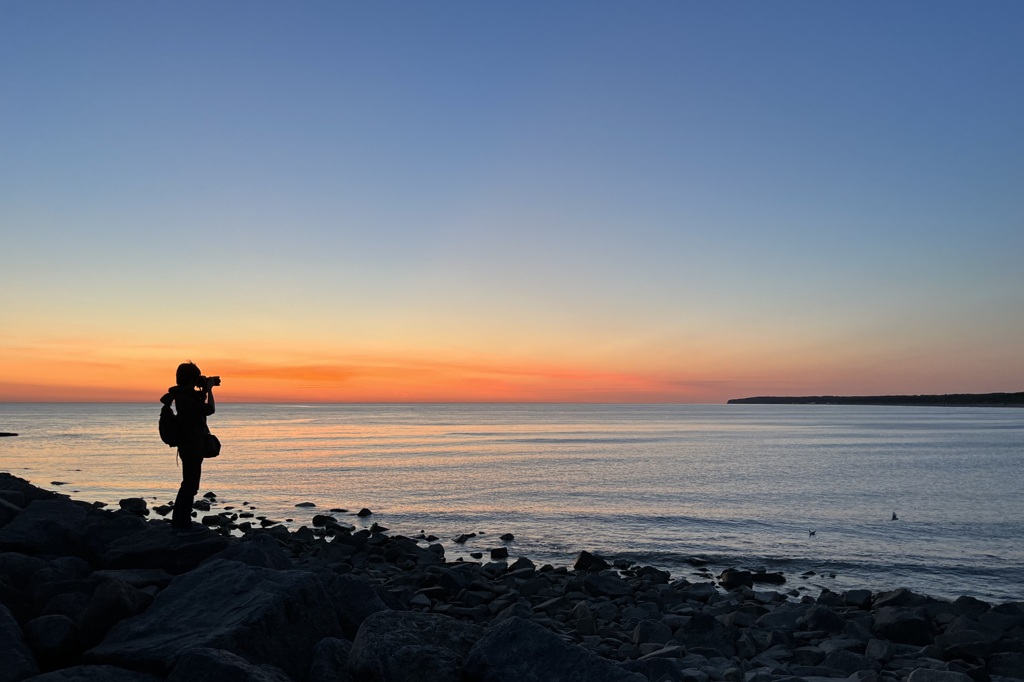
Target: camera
x=203, y=381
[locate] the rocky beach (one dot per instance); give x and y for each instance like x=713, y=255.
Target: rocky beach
x=93, y=593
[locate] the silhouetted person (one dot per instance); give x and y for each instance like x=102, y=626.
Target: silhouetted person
x=193, y=403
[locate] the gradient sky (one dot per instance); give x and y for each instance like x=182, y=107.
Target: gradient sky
x=566, y=201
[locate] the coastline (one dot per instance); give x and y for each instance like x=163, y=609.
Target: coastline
x=86, y=588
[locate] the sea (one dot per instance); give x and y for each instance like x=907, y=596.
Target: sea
x=834, y=497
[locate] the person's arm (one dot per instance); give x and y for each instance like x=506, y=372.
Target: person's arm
x=211, y=405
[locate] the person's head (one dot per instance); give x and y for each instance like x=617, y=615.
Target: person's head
x=188, y=374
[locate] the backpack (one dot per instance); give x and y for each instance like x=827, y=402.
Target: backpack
x=168, y=425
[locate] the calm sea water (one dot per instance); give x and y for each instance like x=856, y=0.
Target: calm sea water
x=734, y=484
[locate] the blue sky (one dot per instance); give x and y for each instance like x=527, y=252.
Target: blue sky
x=767, y=197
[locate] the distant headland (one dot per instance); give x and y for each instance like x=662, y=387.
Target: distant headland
x=947, y=400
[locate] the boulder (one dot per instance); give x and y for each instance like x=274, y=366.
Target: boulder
x=849, y=662
x=134, y=505
x=266, y=616
x=409, y=646
x=223, y=666
x=602, y=585
x=903, y=626
x=1007, y=664
x=732, y=579
x=48, y=527
x=701, y=592
x=112, y=601
x=928, y=675
x=516, y=650
x=330, y=661
x=705, y=632
x=94, y=673
x=261, y=550
x=18, y=661
x=590, y=562
x=158, y=546
x=353, y=598
x=53, y=640
x=822, y=618
x=21, y=492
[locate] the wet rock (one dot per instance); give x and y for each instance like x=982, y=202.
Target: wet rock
x=223, y=666
x=363, y=512
x=516, y=650
x=499, y=553
x=395, y=646
x=586, y=561
x=508, y=537
x=732, y=579
x=264, y=615
x=859, y=598
x=306, y=505
x=900, y=597
x=134, y=505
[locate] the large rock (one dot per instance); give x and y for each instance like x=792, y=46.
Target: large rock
x=705, y=632
x=408, y=646
x=94, y=673
x=21, y=492
x=603, y=585
x=264, y=615
x=516, y=650
x=330, y=661
x=53, y=639
x=261, y=550
x=113, y=601
x=49, y=526
x=903, y=626
x=222, y=666
x=18, y=662
x=158, y=546
x=354, y=600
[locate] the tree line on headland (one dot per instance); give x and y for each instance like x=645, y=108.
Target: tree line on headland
x=946, y=400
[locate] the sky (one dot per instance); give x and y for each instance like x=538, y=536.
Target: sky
x=678, y=202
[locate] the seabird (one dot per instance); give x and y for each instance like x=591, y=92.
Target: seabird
x=894, y=517
x=811, y=532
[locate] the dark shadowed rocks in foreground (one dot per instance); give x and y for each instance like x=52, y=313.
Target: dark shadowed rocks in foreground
x=516, y=650
x=158, y=546
x=218, y=665
x=17, y=660
x=330, y=661
x=264, y=615
x=402, y=646
x=94, y=673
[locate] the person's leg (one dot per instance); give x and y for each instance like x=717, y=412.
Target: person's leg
x=191, y=471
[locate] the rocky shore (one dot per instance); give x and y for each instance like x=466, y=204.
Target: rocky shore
x=90, y=594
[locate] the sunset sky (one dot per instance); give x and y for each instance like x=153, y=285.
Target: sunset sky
x=516, y=201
